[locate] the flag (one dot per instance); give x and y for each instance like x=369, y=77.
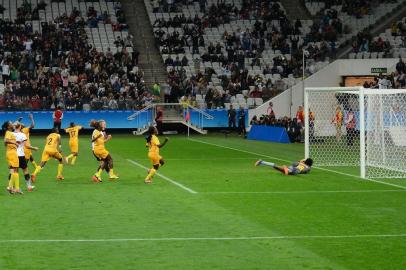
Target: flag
x=187, y=116
x=156, y=89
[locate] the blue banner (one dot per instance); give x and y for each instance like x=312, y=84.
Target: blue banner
x=269, y=134
x=114, y=119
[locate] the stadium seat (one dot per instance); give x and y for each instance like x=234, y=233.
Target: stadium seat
x=86, y=107
x=250, y=102
x=258, y=101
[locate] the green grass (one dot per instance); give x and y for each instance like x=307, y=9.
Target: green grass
x=234, y=200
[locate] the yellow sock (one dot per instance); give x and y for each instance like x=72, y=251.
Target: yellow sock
x=111, y=172
x=98, y=174
x=16, y=180
x=151, y=174
x=11, y=182
x=73, y=160
x=60, y=168
x=34, y=164
x=37, y=170
x=70, y=156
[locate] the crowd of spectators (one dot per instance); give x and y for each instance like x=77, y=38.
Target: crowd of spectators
x=365, y=43
x=293, y=126
x=59, y=67
x=396, y=79
x=325, y=31
x=357, y=8
x=216, y=97
x=231, y=53
x=384, y=44
x=233, y=50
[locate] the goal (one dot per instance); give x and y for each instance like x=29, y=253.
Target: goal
x=357, y=128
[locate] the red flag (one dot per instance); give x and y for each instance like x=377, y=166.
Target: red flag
x=187, y=117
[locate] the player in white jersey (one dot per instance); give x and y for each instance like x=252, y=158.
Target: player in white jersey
x=21, y=139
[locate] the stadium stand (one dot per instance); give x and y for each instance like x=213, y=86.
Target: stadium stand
x=352, y=17
x=228, y=52
x=239, y=53
x=391, y=43
x=72, y=54
x=249, y=48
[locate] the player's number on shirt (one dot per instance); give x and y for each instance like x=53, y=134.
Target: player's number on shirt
x=301, y=167
x=50, y=141
x=72, y=133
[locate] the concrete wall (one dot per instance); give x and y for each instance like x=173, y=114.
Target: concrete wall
x=350, y=67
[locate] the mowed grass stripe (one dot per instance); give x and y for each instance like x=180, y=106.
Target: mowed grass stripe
x=284, y=160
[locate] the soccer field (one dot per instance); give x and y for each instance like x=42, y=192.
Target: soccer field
x=209, y=208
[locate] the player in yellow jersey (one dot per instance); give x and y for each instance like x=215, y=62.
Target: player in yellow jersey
x=99, y=138
x=52, y=150
x=11, y=145
x=27, y=150
x=154, y=145
x=73, y=131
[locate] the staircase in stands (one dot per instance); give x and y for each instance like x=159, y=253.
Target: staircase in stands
x=149, y=60
x=173, y=113
x=295, y=9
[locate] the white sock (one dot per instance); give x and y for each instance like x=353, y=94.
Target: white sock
x=267, y=163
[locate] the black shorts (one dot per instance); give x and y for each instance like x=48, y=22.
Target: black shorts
x=98, y=159
x=23, y=162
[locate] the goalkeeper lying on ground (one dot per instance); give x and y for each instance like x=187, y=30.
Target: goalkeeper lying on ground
x=300, y=167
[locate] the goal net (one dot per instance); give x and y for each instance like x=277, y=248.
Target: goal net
x=357, y=128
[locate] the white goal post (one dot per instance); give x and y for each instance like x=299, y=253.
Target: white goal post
x=357, y=127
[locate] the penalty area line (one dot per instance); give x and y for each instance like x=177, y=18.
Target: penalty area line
x=164, y=177
x=177, y=239
x=284, y=160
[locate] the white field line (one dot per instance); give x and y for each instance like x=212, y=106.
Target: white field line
x=164, y=177
x=305, y=191
x=283, y=160
x=191, y=239
x=198, y=159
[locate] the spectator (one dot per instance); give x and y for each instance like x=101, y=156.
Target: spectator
x=57, y=118
x=5, y=71
x=254, y=121
x=121, y=103
x=209, y=98
x=232, y=117
x=293, y=131
x=270, y=111
x=300, y=116
x=400, y=66
x=159, y=120
x=350, y=125
x=113, y=105
x=202, y=5
x=241, y=121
